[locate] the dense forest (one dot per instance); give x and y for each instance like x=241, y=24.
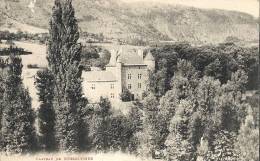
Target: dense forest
x=218, y=61
x=196, y=108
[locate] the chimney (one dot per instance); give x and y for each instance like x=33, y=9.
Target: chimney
x=140, y=53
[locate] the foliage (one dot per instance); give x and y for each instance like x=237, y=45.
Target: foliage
x=19, y=35
x=197, y=109
x=126, y=95
x=218, y=61
x=135, y=119
x=98, y=125
x=247, y=143
x=178, y=144
x=18, y=133
x=153, y=127
x=95, y=56
x=45, y=84
x=13, y=50
x=159, y=81
x=2, y=90
x=32, y=66
x=109, y=131
x=223, y=148
x=64, y=56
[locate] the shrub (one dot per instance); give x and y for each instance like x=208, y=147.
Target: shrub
x=32, y=66
x=126, y=95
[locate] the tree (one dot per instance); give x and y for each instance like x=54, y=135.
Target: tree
x=183, y=86
x=107, y=131
x=221, y=109
x=126, y=95
x=153, y=127
x=99, y=123
x=64, y=63
x=159, y=82
x=232, y=108
x=217, y=70
x=178, y=145
x=2, y=76
x=18, y=130
x=207, y=95
x=135, y=119
x=118, y=133
x=247, y=143
x=223, y=147
x=44, y=83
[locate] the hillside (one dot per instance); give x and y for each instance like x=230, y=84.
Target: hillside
x=116, y=19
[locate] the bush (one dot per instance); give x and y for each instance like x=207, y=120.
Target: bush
x=32, y=66
x=126, y=95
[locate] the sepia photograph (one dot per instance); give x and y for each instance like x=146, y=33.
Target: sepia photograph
x=129, y=80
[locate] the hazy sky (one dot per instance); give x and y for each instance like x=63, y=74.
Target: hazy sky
x=248, y=6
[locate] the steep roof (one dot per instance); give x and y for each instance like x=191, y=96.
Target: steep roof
x=131, y=58
x=99, y=76
x=149, y=57
x=127, y=57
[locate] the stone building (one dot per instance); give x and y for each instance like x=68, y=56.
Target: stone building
x=126, y=70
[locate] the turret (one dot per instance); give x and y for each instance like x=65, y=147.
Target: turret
x=149, y=61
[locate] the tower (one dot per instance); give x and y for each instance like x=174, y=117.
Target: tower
x=149, y=61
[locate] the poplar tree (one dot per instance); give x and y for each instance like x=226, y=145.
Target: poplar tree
x=18, y=132
x=1, y=96
x=46, y=115
x=64, y=63
x=247, y=144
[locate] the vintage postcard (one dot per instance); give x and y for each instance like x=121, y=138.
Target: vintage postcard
x=129, y=80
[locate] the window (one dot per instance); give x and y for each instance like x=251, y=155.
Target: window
x=129, y=86
x=93, y=86
x=139, y=85
x=112, y=95
x=112, y=86
x=139, y=76
x=129, y=76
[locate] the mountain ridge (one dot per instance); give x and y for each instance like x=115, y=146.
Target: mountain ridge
x=139, y=20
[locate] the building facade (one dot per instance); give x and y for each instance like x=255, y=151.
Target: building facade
x=126, y=70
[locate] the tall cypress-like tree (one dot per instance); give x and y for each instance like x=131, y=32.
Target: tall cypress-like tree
x=2, y=68
x=18, y=117
x=247, y=144
x=64, y=63
x=46, y=115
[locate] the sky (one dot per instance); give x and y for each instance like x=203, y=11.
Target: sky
x=248, y=6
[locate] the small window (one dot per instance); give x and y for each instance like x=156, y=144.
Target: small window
x=139, y=85
x=112, y=86
x=93, y=86
x=129, y=86
x=139, y=76
x=112, y=95
x=129, y=76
